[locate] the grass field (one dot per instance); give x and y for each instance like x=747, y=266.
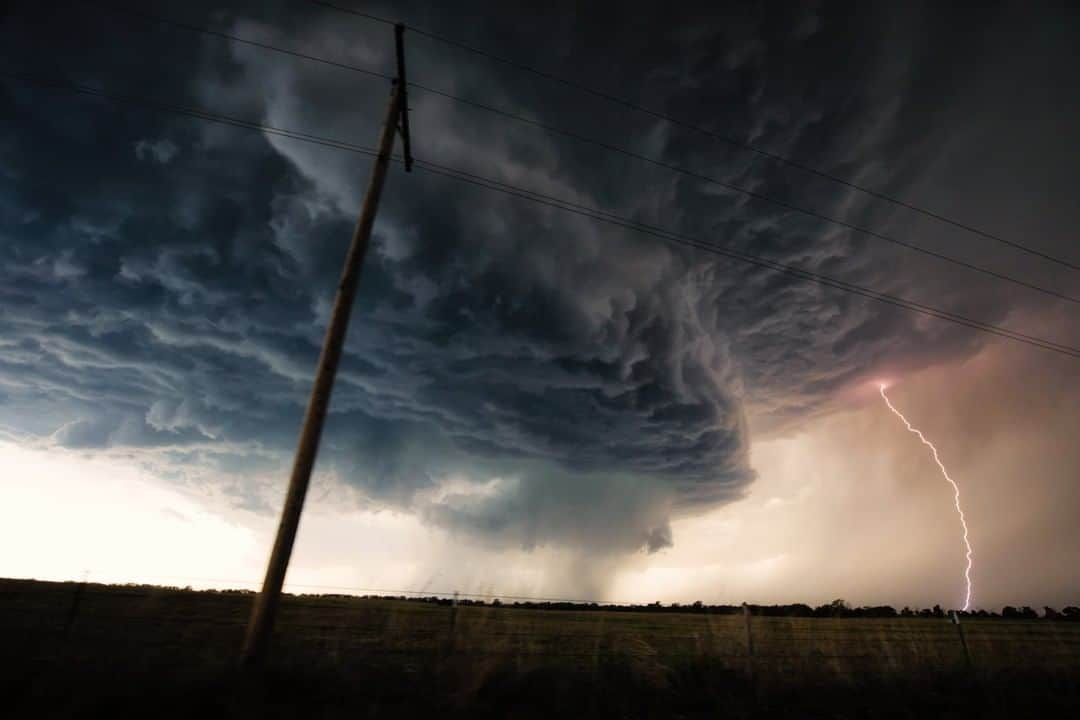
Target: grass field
x=173, y=652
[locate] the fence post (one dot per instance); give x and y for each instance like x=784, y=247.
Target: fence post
x=76, y=600
x=963, y=640
x=599, y=640
x=749, y=642
x=452, y=642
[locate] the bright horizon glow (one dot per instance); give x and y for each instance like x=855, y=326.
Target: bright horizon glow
x=71, y=516
x=956, y=491
x=75, y=516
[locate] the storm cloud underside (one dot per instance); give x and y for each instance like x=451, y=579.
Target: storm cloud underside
x=513, y=373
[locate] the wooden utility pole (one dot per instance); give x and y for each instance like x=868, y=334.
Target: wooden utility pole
x=264, y=611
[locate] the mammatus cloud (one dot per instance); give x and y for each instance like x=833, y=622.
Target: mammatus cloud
x=514, y=374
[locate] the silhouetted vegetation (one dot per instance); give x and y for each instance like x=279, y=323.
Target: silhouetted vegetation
x=170, y=652
x=835, y=609
x=838, y=608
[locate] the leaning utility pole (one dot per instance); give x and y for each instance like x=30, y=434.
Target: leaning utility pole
x=261, y=623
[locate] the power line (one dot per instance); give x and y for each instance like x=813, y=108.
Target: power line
x=613, y=148
x=776, y=157
x=187, y=110
x=234, y=38
x=567, y=206
x=759, y=196
x=748, y=258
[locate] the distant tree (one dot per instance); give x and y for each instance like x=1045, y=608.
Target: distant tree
x=938, y=612
x=1010, y=612
x=801, y=610
x=837, y=608
x=907, y=612
x=1050, y=613
x=496, y=603
x=1071, y=612
x=1028, y=613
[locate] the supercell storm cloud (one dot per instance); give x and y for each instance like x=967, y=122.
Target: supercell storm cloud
x=515, y=373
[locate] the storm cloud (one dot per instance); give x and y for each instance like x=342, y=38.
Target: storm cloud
x=513, y=373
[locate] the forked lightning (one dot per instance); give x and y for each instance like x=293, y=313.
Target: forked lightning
x=956, y=491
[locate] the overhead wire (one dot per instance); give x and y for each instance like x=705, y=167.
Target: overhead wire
x=744, y=257
x=578, y=137
x=637, y=107
x=151, y=17
x=763, y=197
x=186, y=110
x=567, y=206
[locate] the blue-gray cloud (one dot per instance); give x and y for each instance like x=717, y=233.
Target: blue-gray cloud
x=516, y=374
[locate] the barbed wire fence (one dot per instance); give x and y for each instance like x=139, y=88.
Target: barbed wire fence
x=131, y=621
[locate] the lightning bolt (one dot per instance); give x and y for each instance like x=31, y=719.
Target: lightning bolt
x=956, y=491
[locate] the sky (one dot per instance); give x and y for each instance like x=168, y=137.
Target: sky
x=532, y=402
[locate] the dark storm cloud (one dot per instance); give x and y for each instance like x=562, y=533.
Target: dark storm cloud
x=520, y=375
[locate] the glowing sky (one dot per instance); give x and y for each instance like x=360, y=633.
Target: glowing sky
x=531, y=403
x=842, y=508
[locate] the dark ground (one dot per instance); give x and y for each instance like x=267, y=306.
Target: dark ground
x=170, y=653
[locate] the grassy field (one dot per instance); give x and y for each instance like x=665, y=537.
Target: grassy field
x=173, y=652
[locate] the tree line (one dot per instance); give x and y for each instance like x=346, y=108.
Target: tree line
x=835, y=609
x=838, y=608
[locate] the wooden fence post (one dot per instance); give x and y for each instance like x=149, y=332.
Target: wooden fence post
x=76, y=600
x=452, y=642
x=749, y=642
x=963, y=640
